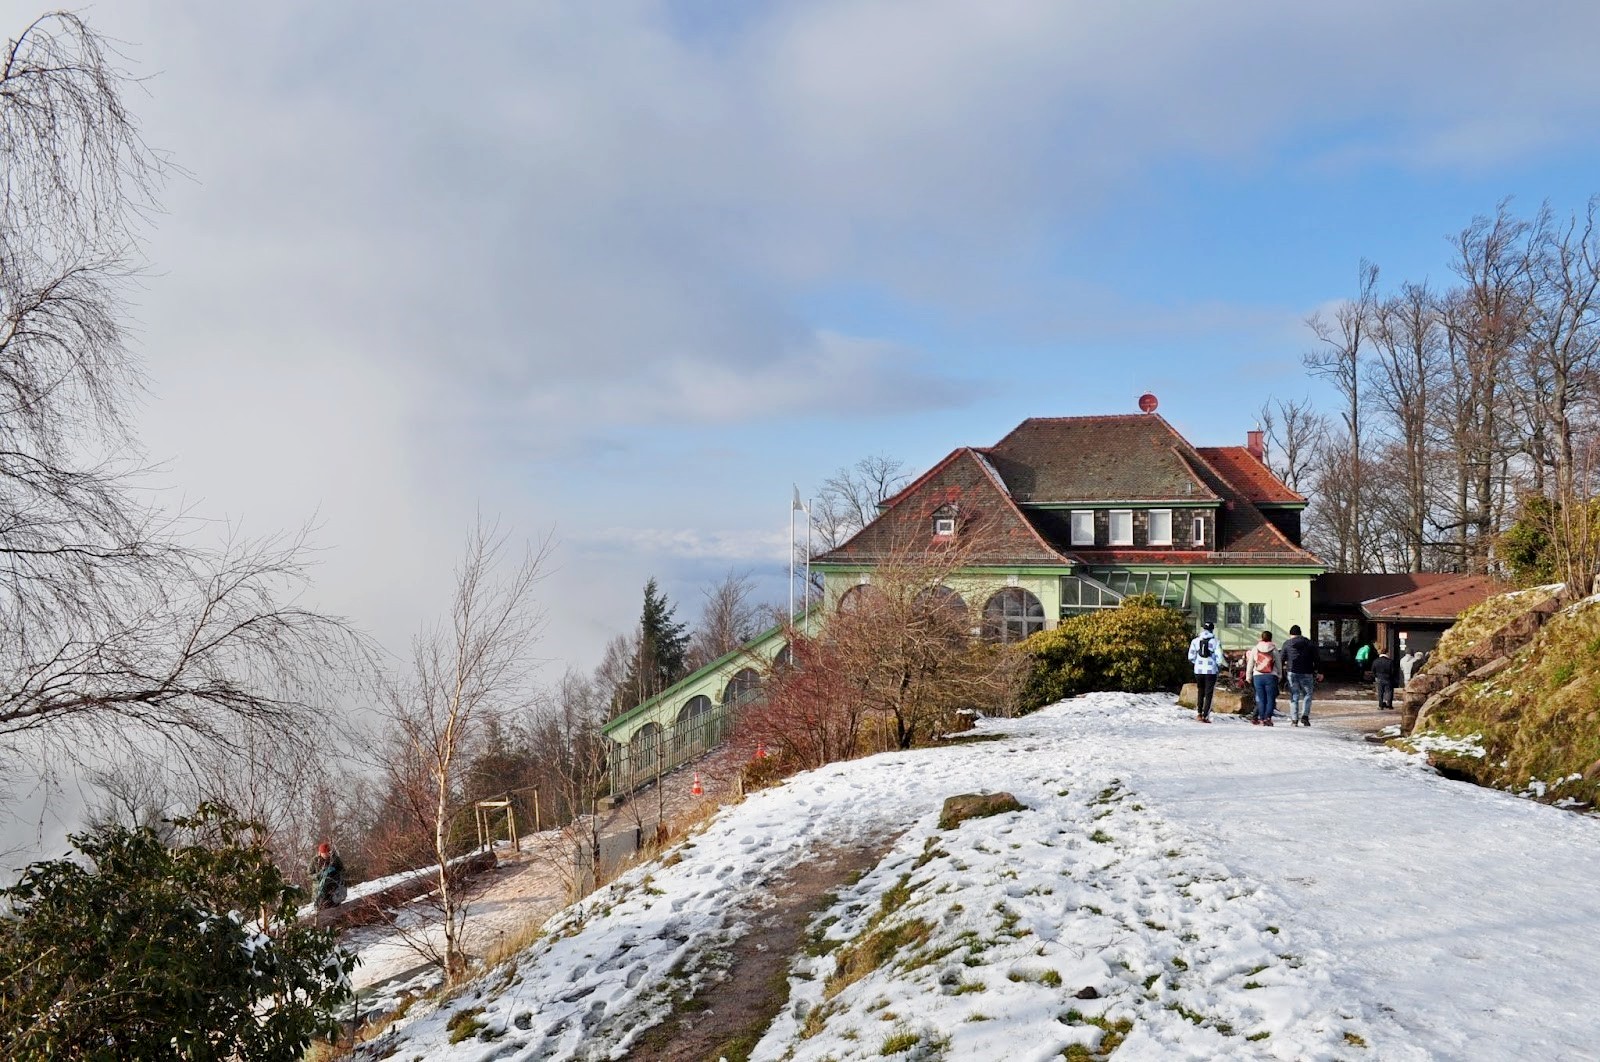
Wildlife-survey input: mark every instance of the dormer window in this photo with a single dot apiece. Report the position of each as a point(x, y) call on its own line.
point(1199, 530)
point(1161, 527)
point(944, 522)
point(1083, 527)
point(1122, 527)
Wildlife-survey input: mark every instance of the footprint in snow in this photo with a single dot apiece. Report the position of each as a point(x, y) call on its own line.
point(635, 975)
point(592, 1016)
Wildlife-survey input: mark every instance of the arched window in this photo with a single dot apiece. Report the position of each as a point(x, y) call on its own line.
point(940, 597)
point(946, 612)
point(857, 597)
point(689, 729)
point(783, 658)
point(1012, 615)
point(743, 687)
point(644, 751)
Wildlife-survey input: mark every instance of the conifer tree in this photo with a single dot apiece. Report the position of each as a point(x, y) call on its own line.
point(663, 647)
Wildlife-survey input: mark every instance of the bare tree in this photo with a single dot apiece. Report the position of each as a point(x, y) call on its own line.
point(1344, 336)
point(611, 675)
point(899, 653)
point(113, 625)
point(727, 621)
point(1293, 430)
point(1408, 342)
point(1485, 325)
point(1563, 333)
point(567, 734)
point(849, 499)
point(477, 661)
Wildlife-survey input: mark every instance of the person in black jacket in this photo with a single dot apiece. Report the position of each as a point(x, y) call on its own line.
point(1300, 665)
point(327, 877)
point(1383, 672)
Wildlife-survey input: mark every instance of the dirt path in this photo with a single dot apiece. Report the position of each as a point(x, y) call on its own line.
point(727, 1018)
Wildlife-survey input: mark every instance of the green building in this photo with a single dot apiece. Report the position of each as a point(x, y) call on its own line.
point(1063, 515)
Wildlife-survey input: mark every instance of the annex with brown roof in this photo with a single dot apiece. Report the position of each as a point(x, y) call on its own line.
point(1440, 600)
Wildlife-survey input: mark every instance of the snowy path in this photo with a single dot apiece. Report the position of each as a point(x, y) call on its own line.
point(1469, 916)
point(1186, 892)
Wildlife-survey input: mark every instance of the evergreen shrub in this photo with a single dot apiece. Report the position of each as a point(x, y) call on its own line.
point(137, 948)
point(1137, 647)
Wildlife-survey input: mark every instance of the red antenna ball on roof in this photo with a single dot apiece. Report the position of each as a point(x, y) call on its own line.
point(1148, 403)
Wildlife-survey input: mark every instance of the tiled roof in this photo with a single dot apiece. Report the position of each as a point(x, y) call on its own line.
point(1350, 589)
point(986, 513)
point(1053, 460)
point(1249, 475)
point(1440, 600)
point(1244, 536)
point(1092, 460)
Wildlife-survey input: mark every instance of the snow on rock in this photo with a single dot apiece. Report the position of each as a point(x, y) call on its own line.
point(1183, 891)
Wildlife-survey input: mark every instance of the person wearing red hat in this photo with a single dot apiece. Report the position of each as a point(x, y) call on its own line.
point(327, 876)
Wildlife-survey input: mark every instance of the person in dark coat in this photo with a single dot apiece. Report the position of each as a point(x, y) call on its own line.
point(1383, 675)
point(327, 877)
point(1300, 667)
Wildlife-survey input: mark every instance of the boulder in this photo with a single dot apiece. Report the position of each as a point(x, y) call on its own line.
point(1489, 670)
point(959, 809)
point(1240, 701)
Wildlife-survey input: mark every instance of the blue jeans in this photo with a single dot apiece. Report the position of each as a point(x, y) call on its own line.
point(1300, 687)
point(1266, 695)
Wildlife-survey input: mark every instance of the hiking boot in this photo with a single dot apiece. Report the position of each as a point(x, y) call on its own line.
point(1306, 721)
point(1294, 722)
point(1255, 722)
point(1266, 722)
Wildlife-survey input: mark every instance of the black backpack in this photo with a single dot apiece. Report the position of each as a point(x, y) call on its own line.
point(1205, 647)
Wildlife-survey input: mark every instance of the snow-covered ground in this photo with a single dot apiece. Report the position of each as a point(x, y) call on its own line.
point(1196, 892)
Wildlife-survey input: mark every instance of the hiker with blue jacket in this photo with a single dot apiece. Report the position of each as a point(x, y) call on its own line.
point(1205, 654)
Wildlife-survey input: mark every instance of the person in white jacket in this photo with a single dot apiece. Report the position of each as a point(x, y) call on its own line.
point(1263, 667)
point(1205, 654)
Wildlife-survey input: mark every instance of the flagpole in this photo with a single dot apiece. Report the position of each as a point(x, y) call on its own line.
point(791, 562)
point(808, 555)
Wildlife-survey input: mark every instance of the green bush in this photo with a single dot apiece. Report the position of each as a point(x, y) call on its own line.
point(1138, 647)
point(138, 949)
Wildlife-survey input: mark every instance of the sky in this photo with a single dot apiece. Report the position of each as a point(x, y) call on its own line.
point(623, 272)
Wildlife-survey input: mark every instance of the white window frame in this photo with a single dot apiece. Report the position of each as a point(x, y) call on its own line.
point(1111, 531)
point(944, 526)
point(1077, 539)
point(1165, 540)
point(1199, 529)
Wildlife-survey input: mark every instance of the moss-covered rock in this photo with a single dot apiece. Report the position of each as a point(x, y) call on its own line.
point(1477, 623)
point(1536, 716)
point(959, 809)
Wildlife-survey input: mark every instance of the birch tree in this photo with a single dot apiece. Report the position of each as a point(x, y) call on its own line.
point(477, 661)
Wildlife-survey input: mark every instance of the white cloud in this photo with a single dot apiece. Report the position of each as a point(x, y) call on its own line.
point(432, 260)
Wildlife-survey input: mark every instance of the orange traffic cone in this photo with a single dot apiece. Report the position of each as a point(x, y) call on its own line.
point(695, 789)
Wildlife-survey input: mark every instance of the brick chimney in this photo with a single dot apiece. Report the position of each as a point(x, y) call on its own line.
point(1255, 442)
